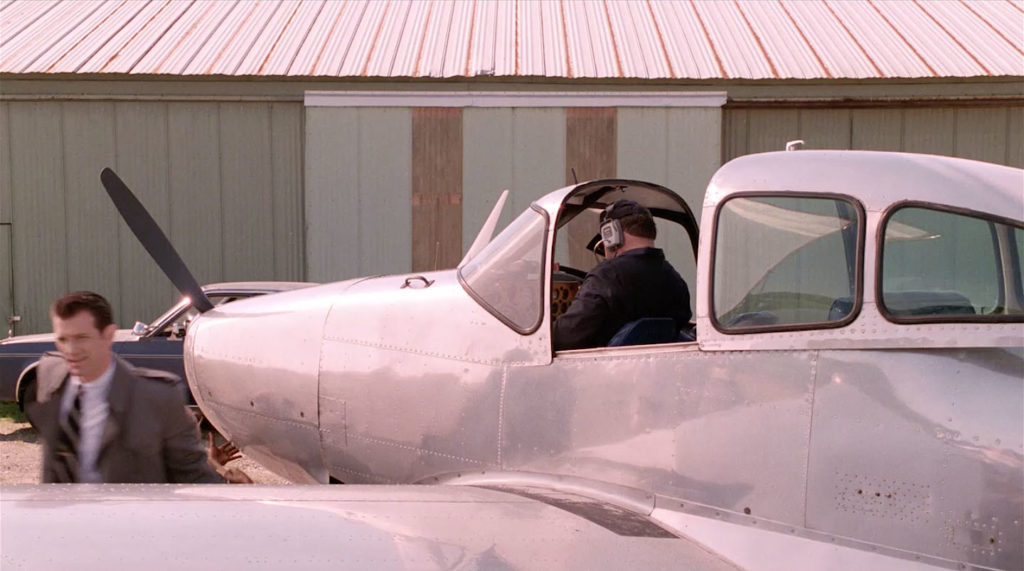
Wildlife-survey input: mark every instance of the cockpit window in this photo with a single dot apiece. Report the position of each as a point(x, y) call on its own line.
point(506, 277)
point(940, 265)
point(785, 263)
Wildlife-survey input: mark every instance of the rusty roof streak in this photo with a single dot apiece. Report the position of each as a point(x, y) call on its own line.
point(952, 37)
point(423, 40)
point(277, 40)
point(330, 32)
point(1019, 8)
point(615, 44)
point(993, 28)
point(153, 44)
point(565, 36)
point(26, 25)
point(52, 39)
point(199, 50)
point(394, 55)
point(263, 29)
point(515, 20)
point(860, 46)
point(757, 39)
point(902, 37)
point(352, 37)
point(803, 36)
point(232, 36)
point(661, 40)
point(472, 36)
point(376, 38)
point(711, 43)
point(68, 52)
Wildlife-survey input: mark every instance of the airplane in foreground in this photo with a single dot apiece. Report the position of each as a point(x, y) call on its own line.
point(851, 394)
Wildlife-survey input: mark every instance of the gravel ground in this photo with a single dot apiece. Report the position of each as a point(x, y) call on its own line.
point(20, 453)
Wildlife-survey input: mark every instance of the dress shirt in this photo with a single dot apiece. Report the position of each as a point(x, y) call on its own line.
point(95, 411)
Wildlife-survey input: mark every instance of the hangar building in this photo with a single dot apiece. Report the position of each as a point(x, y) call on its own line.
point(321, 140)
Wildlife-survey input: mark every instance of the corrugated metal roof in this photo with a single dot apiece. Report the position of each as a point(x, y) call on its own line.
point(634, 39)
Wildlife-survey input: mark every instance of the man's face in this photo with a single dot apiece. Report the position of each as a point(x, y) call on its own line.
point(86, 349)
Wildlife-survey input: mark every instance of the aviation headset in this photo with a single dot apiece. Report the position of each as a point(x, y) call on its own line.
point(611, 228)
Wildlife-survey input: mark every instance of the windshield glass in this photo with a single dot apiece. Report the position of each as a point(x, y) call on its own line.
point(506, 277)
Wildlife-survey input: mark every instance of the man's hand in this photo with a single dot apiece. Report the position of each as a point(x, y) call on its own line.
point(221, 455)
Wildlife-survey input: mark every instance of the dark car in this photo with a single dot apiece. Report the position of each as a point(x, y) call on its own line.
point(156, 345)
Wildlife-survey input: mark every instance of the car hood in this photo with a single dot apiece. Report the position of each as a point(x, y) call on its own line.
point(119, 335)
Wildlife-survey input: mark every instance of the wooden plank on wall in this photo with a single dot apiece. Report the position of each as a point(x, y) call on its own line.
point(876, 129)
point(142, 162)
point(195, 188)
point(591, 139)
point(287, 188)
point(929, 130)
point(982, 133)
point(436, 187)
point(39, 243)
point(247, 199)
point(92, 236)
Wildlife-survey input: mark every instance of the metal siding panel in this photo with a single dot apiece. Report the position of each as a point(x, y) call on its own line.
point(538, 155)
point(246, 195)
point(929, 131)
point(6, 280)
point(195, 189)
point(487, 139)
point(93, 260)
point(876, 129)
point(332, 193)
point(737, 125)
point(40, 242)
point(6, 196)
point(286, 157)
point(142, 162)
point(825, 128)
point(981, 133)
point(770, 129)
point(1015, 138)
point(385, 191)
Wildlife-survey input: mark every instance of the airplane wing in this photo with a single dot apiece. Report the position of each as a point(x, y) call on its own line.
point(359, 527)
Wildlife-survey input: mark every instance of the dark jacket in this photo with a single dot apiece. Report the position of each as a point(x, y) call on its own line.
point(149, 436)
point(635, 284)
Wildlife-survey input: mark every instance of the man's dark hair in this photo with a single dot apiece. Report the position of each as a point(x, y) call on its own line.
point(78, 301)
point(633, 217)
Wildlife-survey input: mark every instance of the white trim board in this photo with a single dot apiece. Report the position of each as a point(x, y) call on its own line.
point(514, 99)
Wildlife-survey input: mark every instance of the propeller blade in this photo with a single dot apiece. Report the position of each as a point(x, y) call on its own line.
point(153, 239)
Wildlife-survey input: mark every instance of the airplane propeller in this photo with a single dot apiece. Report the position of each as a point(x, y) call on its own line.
point(153, 239)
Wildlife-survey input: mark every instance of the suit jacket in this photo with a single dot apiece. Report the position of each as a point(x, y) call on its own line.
point(149, 436)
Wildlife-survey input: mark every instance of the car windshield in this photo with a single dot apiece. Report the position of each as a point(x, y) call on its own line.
point(506, 277)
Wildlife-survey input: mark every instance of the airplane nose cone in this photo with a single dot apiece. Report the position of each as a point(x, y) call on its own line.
point(252, 366)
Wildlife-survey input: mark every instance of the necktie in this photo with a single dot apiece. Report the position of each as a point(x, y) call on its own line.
point(66, 464)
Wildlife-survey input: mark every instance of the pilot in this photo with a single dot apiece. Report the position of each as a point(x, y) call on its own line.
point(102, 420)
point(634, 281)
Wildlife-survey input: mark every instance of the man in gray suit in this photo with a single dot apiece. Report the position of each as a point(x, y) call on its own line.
point(103, 420)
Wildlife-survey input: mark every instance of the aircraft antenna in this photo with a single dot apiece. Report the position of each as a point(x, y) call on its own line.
point(574, 179)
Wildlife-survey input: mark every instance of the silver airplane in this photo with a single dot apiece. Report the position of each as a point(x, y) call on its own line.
point(851, 395)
